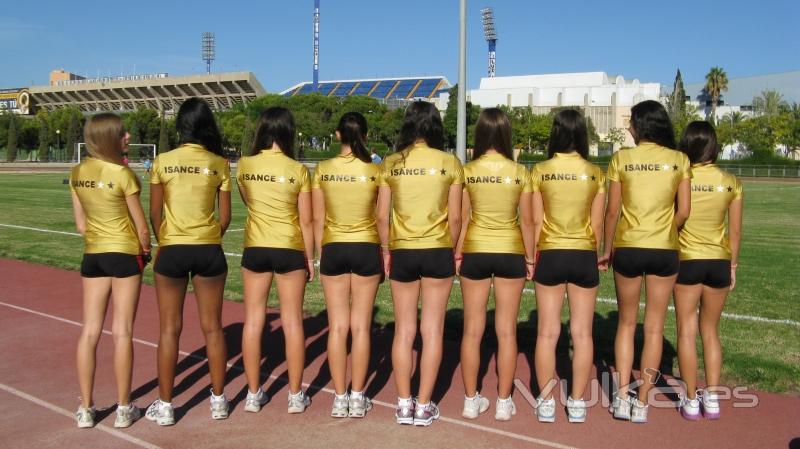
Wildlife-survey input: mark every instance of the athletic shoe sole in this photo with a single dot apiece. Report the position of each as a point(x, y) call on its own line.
point(339, 414)
point(85, 425)
point(577, 420)
point(689, 416)
point(711, 416)
point(423, 422)
point(219, 415)
point(547, 419)
point(405, 421)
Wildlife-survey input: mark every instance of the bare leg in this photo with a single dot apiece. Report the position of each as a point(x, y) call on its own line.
point(435, 294)
point(95, 304)
point(549, 301)
point(363, 291)
point(581, 314)
point(125, 303)
point(710, 310)
point(256, 292)
point(208, 291)
point(337, 298)
point(507, 294)
point(291, 288)
point(171, 293)
point(476, 296)
point(687, 297)
point(405, 297)
point(659, 290)
point(628, 291)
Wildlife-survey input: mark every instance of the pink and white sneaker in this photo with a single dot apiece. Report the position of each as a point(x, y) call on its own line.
point(710, 404)
point(690, 408)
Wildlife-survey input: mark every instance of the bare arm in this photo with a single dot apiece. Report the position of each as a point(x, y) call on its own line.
point(598, 211)
point(528, 233)
point(684, 203)
point(384, 207)
point(454, 211)
point(137, 213)
point(80, 216)
point(610, 223)
point(466, 210)
point(156, 208)
point(305, 213)
point(224, 206)
point(735, 212)
point(318, 202)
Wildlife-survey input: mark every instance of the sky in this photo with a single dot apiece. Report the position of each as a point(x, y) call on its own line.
point(645, 39)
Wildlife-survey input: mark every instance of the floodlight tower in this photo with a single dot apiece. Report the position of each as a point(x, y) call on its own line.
point(490, 34)
point(316, 44)
point(208, 49)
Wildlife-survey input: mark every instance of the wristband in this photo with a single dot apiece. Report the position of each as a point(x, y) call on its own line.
point(146, 257)
point(530, 262)
point(734, 265)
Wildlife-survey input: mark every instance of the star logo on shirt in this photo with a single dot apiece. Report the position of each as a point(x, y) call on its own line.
point(100, 185)
point(291, 180)
point(206, 171)
point(518, 181)
point(362, 178)
point(444, 172)
point(584, 177)
point(730, 189)
point(507, 180)
point(666, 167)
point(110, 185)
point(282, 179)
point(215, 173)
point(432, 171)
point(594, 178)
point(720, 189)
point(675, 167)
point(372, 178)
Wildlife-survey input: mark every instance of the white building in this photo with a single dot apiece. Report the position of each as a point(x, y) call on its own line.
point(607, 100)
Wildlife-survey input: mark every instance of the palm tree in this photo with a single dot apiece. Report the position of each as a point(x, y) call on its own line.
point(716, 83)
point(770, 103)
point(734, 118)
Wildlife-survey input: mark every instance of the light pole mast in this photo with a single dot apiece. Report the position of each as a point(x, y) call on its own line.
point(316, 45)
point(461, 130)
point(490, 34)
point(208, 50)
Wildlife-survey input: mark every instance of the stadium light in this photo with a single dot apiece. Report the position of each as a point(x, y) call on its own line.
point(490, 34)
point(209, 52)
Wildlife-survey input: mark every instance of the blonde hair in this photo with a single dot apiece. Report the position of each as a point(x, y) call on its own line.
point(103, 134)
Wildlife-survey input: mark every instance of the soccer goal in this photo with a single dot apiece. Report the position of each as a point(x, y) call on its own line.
point(137, 152)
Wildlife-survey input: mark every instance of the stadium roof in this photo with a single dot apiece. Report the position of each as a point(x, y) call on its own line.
point(381, 88)
point(159, 92)
point(741, 91)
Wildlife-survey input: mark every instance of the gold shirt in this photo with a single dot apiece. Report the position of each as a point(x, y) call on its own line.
point(191, 177)
point(102, 188)
point(272, 182)
point(568, 184)
point(420, 186)
point(494, 184)
point(650, 175)
point(350, 188)
point(704, 235)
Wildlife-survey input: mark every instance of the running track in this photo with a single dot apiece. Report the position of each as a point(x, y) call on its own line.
point(40, 313)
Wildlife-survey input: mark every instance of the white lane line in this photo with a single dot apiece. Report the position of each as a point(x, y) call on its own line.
point(68, 414)
point(458, 422)
point(727, 315)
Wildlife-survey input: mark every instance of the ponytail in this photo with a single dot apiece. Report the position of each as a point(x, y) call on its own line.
point(352, 130)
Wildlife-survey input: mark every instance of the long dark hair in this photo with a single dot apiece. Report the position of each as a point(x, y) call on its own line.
point(493, 131)
point(699, 142)
point(651, 122)
point(568, 134)
point(352, 131)
point(196, 124)
point(422, 121)
point(275, 126)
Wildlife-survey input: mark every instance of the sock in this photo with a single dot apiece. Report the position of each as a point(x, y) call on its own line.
point(166, 404)
point(504, 399)
point(125, 406)
point(217, 398)
point(254, 394)
point(296, 395)
point(340, 396)
point(404, 401)
point(421, 405)
point(471, 398)
point(356, 394)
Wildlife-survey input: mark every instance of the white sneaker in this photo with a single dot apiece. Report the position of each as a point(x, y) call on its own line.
point(504, 409)
point(690, 408)
point(576, 410)
point(85, 417)
point(255, 401)
point(341, 406)
point(546, 410)
point(161, 412)
point(638, 411)
point(710, 404)
point(621, 407)
point(298, 402)
point(219, 406)
point(359, 405)
point(126, 415)
point(474, 406)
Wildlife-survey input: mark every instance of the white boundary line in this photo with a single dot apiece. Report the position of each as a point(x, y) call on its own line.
point(727, 315)
point(459, 422)
point(68, 414)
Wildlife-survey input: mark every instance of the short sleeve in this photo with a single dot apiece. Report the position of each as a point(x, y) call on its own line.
point(527, 180)
point(130, 183)
point(383, 177)
point(305, 180)
point(155, 171)
point(71, 177)
point(613, 168)
point(225, 182)
point(458, 172)
point(535, 179)
point(686, 167)
point(601, 181)
point(315, 177)
point(738, 190)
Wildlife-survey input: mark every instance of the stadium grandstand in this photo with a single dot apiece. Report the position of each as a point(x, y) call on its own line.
point(427, 88)
point(154, 91)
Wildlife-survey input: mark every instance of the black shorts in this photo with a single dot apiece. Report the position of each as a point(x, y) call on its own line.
point(116, 265)
point(635, 262)
point(362, 259)
point(485, 265)
point(410, 265)
point(277, 260)
point(180, 261)
point(715, 273)
point(567, 266)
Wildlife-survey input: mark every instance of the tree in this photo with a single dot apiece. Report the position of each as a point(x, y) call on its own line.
point(716, 83)
point(72, 137)
point(679, 123)
point(676, 102)
point(616, 136)
point(770, 103)
point(44, 136)
point(11, 144)
point(451, 118)
point(163, 137)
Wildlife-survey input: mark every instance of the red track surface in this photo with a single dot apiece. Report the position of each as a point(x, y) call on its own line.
point(40, 311)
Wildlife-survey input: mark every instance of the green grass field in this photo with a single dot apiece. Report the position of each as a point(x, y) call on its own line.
point(761, 355)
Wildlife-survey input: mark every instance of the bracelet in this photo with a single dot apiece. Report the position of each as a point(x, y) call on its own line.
point(458, 258)
point(527, 262)
point(734, 265)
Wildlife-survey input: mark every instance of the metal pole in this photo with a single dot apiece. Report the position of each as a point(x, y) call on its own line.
point(461, 140)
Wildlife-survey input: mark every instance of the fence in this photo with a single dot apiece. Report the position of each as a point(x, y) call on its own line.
point(744, 171)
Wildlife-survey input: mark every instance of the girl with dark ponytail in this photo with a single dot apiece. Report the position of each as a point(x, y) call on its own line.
point(344, 195)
